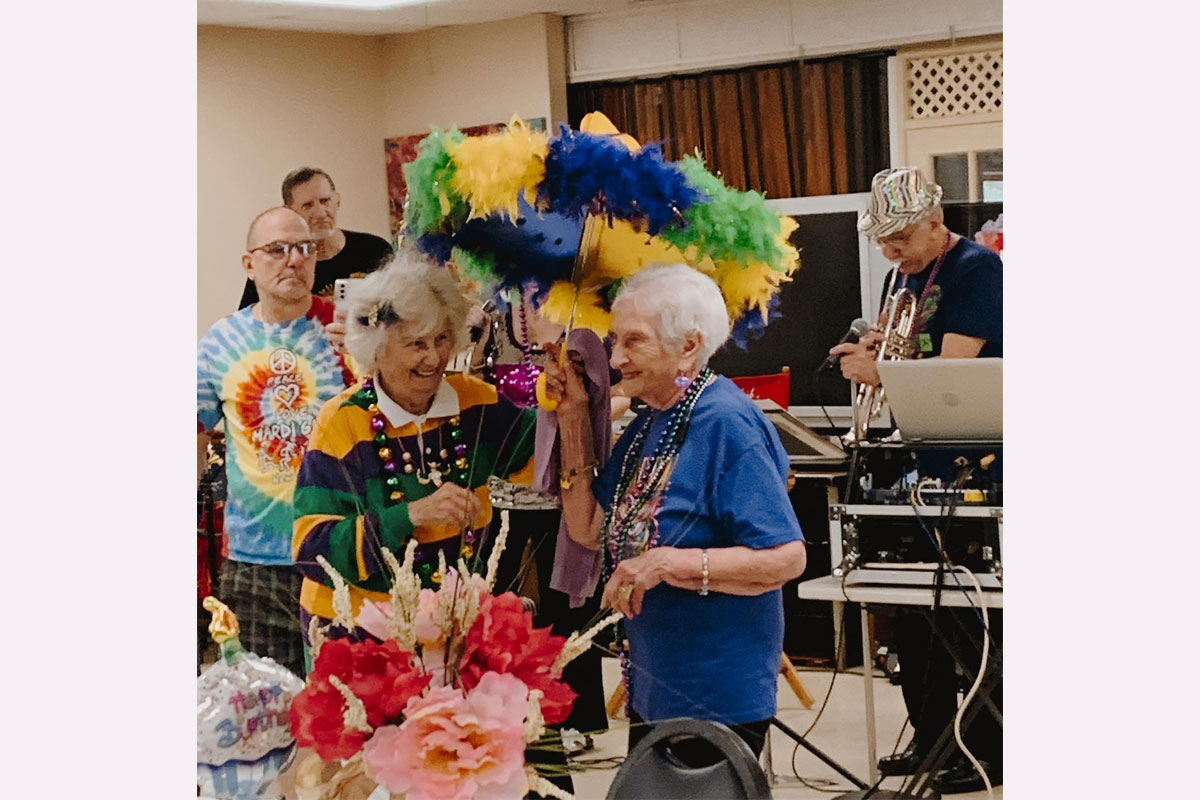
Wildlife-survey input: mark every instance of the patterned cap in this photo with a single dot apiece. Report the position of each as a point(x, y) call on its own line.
point(899, 197)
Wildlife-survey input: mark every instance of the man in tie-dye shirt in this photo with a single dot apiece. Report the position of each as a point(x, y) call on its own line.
point(266, 370)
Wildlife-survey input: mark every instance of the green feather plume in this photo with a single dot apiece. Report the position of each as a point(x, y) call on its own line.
point(731, 225)
point(431, 199)
point(477, 266)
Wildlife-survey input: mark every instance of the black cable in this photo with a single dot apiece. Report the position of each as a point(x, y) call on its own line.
point(938, 577)
point(821, 403)
point(838, 647)
point(942, 554)
point(946, 514)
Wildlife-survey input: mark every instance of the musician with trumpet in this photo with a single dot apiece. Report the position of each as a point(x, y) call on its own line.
point(954, 282)
point(943, 299)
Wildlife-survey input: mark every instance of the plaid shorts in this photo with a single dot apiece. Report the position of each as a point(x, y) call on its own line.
point(266, 600)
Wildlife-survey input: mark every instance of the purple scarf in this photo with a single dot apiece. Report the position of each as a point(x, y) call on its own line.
point(576, 568)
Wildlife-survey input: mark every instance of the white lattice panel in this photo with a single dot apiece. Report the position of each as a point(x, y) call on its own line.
point(955, 84)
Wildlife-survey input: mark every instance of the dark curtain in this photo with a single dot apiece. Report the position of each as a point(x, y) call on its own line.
point(789, 130)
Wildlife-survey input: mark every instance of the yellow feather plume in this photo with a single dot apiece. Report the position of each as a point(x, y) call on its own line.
point(491, 170)
point(557, 308)
point(747, 286)
point(791, 256)
point(597, 122)
point(624, 251)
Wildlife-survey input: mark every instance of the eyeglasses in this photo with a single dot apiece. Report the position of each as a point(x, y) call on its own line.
point(898, 239)
point(282, 250)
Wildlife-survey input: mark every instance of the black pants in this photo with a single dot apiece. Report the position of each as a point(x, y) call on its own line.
point(540, 530)
point(930, 683)
point(698, 752)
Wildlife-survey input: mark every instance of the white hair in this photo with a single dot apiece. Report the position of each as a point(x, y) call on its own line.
point(681, 300)
point(420, 293)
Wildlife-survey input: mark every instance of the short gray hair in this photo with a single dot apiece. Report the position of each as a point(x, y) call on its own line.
point(419, 293)
point(681, 300)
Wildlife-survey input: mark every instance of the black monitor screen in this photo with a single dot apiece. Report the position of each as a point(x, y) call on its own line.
point(817, 307)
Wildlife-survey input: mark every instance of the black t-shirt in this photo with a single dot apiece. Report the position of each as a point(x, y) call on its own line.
point(363, 253)
point(966, 298)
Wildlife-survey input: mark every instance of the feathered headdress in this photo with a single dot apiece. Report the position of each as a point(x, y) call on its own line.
point(577, 214)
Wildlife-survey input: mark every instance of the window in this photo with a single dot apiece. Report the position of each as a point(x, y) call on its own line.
point(950, 172)
point(989, 166)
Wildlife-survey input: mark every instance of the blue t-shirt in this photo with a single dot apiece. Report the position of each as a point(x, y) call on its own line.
point(966, 298)
point(714, 657)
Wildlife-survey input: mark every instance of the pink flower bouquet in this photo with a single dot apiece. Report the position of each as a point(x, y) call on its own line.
point(443, 705)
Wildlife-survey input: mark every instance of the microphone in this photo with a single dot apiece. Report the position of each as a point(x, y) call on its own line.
point(488, 308)
point(857, 329)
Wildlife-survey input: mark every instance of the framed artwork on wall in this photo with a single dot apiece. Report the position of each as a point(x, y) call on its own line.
point(399, 150)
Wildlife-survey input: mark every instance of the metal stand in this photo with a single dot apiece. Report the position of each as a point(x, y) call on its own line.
point(836, 767)
point(945, 745)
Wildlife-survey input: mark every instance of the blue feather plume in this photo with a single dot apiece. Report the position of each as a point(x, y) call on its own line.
point(750, 327)
point(640, 187)
point(436, 246)
point(533, 247)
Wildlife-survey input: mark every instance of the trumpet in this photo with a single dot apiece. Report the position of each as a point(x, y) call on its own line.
point(900, 318)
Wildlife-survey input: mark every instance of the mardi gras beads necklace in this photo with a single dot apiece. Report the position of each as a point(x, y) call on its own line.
point(433, 471)
point(642, 477)
point(429, 472)
point(517, 384)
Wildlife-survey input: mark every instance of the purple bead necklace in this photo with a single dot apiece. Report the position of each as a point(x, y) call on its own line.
point(518, 384)
point(430, 471)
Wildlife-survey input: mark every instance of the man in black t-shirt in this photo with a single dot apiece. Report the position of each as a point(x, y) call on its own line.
point(340, 254)
point(960, 315)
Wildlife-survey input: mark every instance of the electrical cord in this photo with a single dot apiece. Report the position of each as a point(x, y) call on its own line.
point(821, 403)
point(945, 514)
point(837, 649)
point(938, 541)
point(934, 539)
point(975, 686)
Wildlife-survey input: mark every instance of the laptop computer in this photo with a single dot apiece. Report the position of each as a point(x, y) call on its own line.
point(946, 398)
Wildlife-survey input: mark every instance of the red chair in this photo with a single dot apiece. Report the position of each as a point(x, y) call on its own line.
point(776, 387)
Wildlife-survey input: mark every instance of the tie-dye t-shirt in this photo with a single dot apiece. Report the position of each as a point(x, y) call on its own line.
point(267, 381)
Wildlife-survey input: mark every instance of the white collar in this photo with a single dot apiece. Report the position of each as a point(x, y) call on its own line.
point(445, 404)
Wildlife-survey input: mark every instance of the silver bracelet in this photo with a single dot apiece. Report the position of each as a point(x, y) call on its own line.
point(704, 572)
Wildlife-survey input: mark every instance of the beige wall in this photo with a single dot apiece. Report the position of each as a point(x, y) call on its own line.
point(475, 74)
point(268, 102)
point(917, 141)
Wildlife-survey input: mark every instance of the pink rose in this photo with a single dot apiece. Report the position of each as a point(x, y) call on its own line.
point(374, 618)
point(451, 747)
point(428, 625)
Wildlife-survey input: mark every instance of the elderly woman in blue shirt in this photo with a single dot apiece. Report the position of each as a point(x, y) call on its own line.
point(691, 510)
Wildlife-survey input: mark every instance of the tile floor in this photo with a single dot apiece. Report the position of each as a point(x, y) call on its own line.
point(840, 734)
